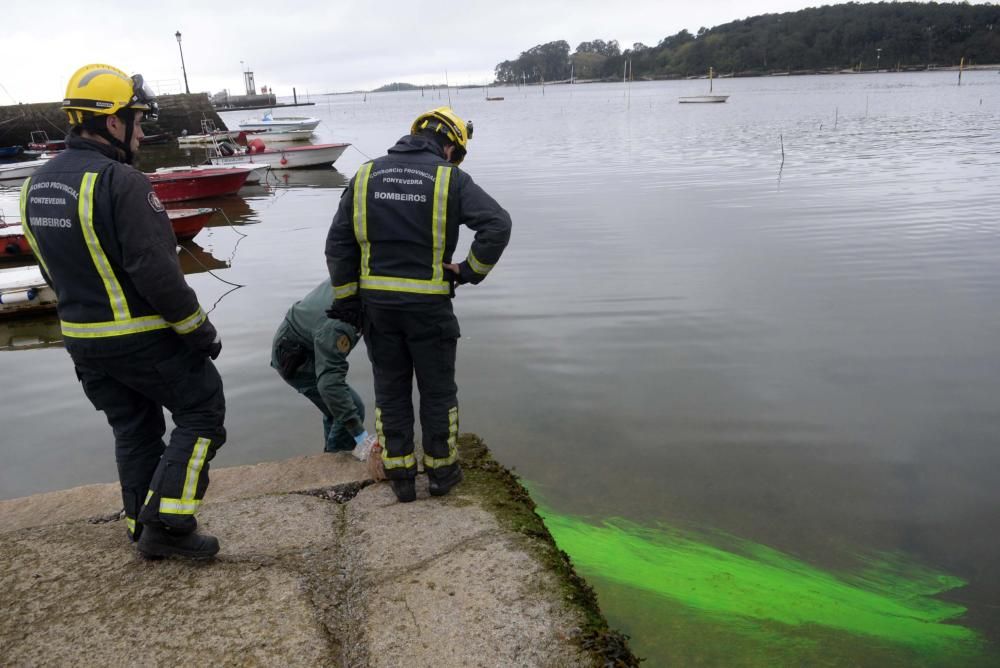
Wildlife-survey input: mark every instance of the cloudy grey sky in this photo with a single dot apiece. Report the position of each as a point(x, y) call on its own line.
point(322, 45)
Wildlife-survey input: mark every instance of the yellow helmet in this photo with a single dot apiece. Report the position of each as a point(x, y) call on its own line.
point(106, 90)
point(446, 121)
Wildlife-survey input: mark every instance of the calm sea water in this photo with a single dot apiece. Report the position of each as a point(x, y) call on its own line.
point(767, 325)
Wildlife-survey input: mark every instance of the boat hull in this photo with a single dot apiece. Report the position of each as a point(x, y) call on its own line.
point(703, 99)
point(258, 172)
point(197, 184)
point(23, 290)
point(294, 157)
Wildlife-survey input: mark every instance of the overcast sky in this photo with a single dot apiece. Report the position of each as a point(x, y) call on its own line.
point(322, 46)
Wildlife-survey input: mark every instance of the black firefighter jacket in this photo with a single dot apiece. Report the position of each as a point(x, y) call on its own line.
point(107, 248)
point(398, 222)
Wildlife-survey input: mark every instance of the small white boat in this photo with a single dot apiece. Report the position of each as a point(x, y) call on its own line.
point(289, 157)
point(270, 123)
point(704, 99)
point(15, 173)
point(258, 171)
point(23, 289)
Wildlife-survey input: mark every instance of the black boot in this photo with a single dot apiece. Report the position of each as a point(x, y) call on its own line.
point(155, 542)
point(439, 486)
point(405, 489)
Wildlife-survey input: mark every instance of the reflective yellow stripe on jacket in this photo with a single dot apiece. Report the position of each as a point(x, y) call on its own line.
point(116, 296)
point(479, 267)
point(123, 322)
point(436, 285)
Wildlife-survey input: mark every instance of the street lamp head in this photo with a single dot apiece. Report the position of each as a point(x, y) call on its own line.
point(178, 36)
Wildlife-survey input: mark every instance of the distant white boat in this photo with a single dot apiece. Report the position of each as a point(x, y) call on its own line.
point(270, 123)
point(703, 99)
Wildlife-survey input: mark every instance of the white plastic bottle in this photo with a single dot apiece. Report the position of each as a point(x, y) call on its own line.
point(363, 449)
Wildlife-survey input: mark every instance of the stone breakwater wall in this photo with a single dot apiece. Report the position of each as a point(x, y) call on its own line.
point(177, 113)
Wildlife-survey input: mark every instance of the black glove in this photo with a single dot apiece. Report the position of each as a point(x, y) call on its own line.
point(346, 310)
point(216, 348)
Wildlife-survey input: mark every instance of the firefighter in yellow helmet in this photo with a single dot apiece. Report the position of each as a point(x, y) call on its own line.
point(137, 336)
point(390, 249)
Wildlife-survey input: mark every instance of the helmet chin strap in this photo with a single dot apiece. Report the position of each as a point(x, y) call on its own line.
point(124, 146)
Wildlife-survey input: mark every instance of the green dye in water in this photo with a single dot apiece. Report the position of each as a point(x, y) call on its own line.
point(890, 600)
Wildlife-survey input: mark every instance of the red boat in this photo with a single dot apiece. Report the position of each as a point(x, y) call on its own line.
point(189, 222)
point(40, 142)
point(13, 244)
point(197, 184)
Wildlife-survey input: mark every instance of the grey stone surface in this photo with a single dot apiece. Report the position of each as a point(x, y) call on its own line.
point(300, 581)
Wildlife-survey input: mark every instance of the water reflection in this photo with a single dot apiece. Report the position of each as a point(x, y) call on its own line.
point(30, 333)
point(194, 259)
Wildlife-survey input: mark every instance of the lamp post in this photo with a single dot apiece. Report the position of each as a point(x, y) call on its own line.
point(878, 57)
point(183, 69)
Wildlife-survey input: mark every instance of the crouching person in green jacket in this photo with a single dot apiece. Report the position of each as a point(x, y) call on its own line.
point(310, 353)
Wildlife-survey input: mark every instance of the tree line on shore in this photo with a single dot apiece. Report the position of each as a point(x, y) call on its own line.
point(898, 35)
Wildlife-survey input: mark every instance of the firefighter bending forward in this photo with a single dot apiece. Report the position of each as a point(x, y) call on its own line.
point(390, 250)
point(138, 338)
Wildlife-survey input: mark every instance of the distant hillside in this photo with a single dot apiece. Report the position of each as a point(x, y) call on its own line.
point(395, 86)
point(904, 35)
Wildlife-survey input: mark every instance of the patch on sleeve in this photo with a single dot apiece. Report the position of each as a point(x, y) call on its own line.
point(344, 344)
point(154, 202)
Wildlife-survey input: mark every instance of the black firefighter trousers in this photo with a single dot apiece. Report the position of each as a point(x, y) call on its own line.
point(161, 484)
point(401, 343)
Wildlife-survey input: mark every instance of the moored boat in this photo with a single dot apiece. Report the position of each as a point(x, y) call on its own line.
point(40, 142)
point(197, 183)
point(704, 99)
point(289, 157)
point(258, 171)
point(187, 223)
point(22, 290)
